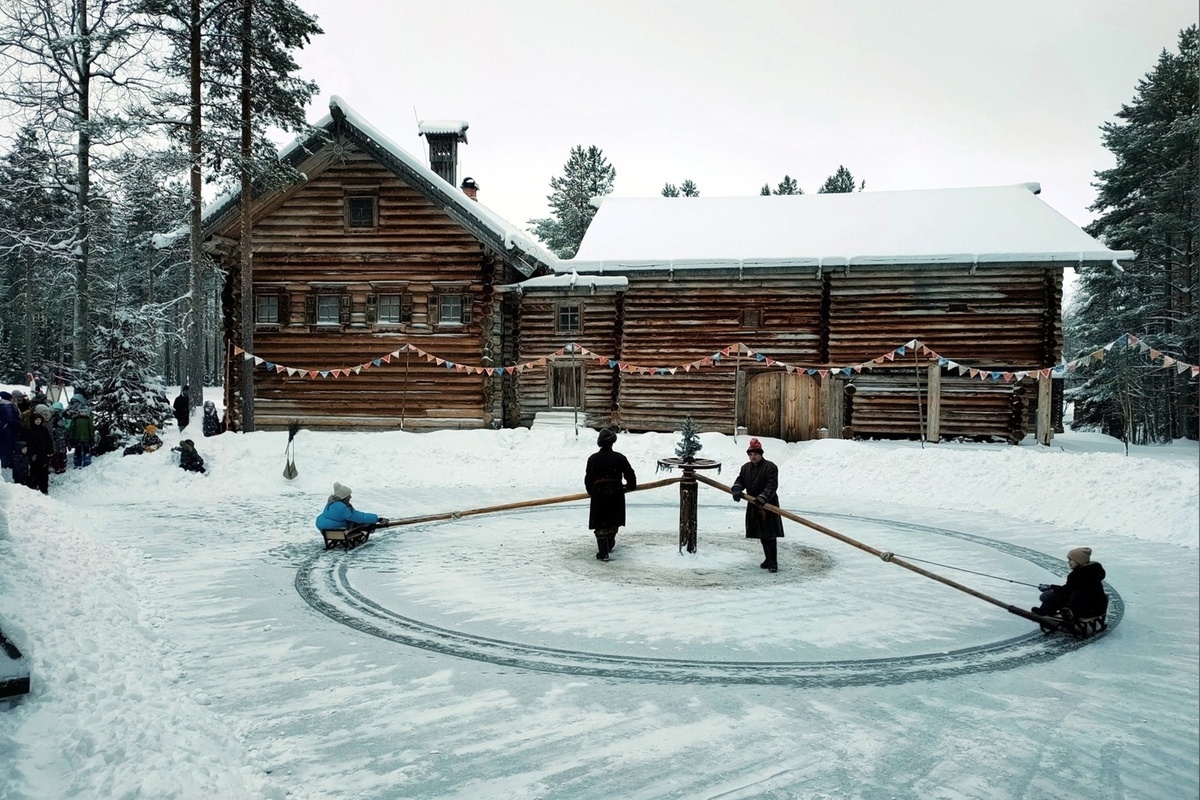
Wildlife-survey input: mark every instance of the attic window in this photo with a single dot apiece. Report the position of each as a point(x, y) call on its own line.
point(751, 317)
point(570, 317)
point(362, 212)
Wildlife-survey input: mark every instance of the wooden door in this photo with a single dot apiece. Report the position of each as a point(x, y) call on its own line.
point(783, 406)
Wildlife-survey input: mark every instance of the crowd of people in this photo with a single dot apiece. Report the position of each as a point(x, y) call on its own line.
point(39, 436)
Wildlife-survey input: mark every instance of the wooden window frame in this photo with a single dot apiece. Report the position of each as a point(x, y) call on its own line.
point(374, 304)
point(366, 193)
point(283, 309)
point(562, 309)
point(312, 308)
point(747, 318)
point(464, 316)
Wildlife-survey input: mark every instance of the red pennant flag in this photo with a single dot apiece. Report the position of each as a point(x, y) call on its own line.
point(313, 373)
point(237, 351)
point(387, 359)
point(890, 356)
point(822, 372)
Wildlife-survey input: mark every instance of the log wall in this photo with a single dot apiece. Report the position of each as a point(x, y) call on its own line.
point(302, 245)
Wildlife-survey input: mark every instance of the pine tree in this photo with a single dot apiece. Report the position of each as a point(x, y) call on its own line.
point(126, 394)
point(690, 444)
point(686, 189)
point(841, 182)
point(1150, 204)
point(587, 174)
point(786, 186)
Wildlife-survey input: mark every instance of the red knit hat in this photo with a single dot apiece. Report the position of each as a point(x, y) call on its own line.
point(755, 447)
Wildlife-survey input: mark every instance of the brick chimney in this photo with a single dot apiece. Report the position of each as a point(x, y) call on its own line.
point(443, 136)
point(470, 188)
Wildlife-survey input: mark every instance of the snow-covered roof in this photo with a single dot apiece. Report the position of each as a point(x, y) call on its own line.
point(968, 225)
point(455, 126)
point(507, 236)
point(570, 280)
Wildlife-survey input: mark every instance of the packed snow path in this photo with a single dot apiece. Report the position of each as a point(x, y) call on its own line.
point(174, 658)
point(400, 569)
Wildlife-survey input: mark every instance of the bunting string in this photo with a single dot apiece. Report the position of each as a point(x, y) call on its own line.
point(737, 350)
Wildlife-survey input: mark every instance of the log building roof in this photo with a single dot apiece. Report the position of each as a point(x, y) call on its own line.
point(997, 224)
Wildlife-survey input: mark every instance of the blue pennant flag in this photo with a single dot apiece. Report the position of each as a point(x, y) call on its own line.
point(759, 357)
point(661, 370)
point(377, 362)
point(810, 371)
point(268, 365)
point(994, 375)
point(449, 365)
point(612, 364)
point(716, 356)
point(942, 362)
point(324, 373)
point(847, 371)
point(501, 370)
point(900, 350)
point(1123, 340)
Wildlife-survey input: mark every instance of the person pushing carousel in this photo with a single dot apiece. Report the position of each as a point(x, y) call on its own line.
point(760, 478)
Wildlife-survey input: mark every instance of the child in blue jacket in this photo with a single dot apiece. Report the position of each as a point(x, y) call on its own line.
point(339, 514)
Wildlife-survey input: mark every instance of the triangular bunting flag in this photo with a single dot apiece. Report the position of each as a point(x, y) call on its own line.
point(1181, 367)
point(488, 370)
point(1154, 354)
point(280, 368)
point(822, 372)
point(1168, 361)
point(292, 371)
point(237, 351)
point(257, 361)
point(1099, 355)
point(358, 370)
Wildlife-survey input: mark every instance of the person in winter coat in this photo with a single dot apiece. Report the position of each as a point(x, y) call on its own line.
point(1083, 594)
point(760, 478)
point(339, 514)
point(211, 425)
point(59, 433)
point(19, 461)
point(41, 450)
point(78, 419)
point(10, 428)
point(150, 439)
point(606, 469)
point(189, 459)
point(183, 408)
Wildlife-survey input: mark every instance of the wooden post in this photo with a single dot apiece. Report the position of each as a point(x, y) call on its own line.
point(1045, 426)
point(687, 510)
point(933, 389)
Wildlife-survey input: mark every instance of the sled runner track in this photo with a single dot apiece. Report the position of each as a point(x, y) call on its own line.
point(324, 584)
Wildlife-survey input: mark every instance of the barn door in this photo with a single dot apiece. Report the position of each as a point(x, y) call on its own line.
point(566, 385)
point(783, 406)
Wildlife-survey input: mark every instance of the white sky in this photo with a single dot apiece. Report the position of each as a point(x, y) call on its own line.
point(920, 94)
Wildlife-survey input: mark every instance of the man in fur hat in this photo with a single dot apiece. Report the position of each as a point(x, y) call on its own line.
point(760, 478)
point(603, 481)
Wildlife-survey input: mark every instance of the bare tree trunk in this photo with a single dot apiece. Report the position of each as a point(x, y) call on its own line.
point(81, 332)
point(193, 346)
point(244, 249)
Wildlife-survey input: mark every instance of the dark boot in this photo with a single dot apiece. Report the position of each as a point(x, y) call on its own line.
point(770, 546)
point(612, 541)
point(602, 546)
point(766, 553)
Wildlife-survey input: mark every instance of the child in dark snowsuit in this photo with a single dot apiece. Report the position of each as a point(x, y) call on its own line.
point(19, 460)
point(1083, 594)
point(189, 459)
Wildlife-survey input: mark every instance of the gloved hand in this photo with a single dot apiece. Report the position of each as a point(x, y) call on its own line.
point(1044, 587)
point(737, 494)
point(761, 500)
point(382, 521)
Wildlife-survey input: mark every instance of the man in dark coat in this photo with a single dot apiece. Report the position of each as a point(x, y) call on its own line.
point(760, 478)
point(603, 481)
point(1083, 595)
point(183, 408)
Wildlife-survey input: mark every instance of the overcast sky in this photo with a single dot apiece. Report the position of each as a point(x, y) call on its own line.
point(907, 95)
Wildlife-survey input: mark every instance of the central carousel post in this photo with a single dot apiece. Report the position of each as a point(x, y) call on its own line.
point(685, 458)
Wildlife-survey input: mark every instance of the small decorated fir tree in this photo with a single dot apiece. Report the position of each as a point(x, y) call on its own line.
point(690, 444)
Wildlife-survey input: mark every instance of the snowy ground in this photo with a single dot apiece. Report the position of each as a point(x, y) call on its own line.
point(188, 638)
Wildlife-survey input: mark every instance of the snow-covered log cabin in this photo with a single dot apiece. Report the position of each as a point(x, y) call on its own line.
point(370, 251)
point(818, 294)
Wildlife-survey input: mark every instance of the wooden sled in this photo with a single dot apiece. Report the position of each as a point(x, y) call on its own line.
point(347, 538)
point(1080, 628)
